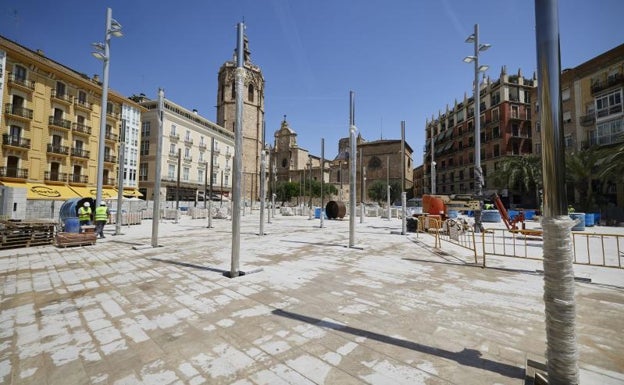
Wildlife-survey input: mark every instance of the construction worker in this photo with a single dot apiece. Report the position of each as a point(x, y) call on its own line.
point(489, 206)
point(84, 214)
point(101, 217)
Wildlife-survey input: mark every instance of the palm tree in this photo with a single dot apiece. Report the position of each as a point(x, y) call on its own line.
point(581, 170)
point(520, 173)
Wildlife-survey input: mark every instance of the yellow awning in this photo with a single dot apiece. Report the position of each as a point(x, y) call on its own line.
point(44, 191)
point(91, 192)
point(132, 193)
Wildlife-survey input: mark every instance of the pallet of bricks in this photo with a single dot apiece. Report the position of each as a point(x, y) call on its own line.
point(84, 238)
point(18, 233)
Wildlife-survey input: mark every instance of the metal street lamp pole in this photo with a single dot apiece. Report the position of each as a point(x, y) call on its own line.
point(478, 173)
point(113, 28)
point(433, 164)
point(352, 159)
point(120, 177)
point(158, 171)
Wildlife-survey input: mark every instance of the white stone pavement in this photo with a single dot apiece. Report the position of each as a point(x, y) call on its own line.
point(393, 310)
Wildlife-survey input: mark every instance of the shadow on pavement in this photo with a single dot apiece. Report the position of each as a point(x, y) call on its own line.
point(466, 357)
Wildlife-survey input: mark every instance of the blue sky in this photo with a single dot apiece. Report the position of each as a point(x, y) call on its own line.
point(402, 58)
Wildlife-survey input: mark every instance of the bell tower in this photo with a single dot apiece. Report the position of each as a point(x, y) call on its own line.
point(253, 116)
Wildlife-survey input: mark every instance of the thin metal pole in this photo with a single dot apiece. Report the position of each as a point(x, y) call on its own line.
point(310, 188)
point(403, 209)
point(478, 173)
point(102, 139)
point(157, 177)
point(205, 185)
point(262, 189)
point(243, 190)
point(361, 189)
point(353, 160)
point(212, 143)
point(120, 177)
point(268, 182)
point(433, 163)
point(322, 181)
point(177, 194)
point(402, 155)
point(559, 300)
point(388, 183)
point(238, 155)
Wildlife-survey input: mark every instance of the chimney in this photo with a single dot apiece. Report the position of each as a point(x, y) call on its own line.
point(96, 78)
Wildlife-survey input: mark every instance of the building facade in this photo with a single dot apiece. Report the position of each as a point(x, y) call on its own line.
point(187, 153)
point(253, 116)
point(50, 123)
point(592, 111)
point(506, 130)
point(378, 160)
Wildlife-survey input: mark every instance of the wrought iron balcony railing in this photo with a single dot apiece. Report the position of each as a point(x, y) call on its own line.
point(23, 112)
point(15, 141)
point(82, 128)
point(77, 178)
point(19, 81)
point(13, 172)
point(58, 149)
point(79, 152)
point(59, 122)
point(55, 176)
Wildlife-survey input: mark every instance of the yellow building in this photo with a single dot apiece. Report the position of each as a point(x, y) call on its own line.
point(50, 123)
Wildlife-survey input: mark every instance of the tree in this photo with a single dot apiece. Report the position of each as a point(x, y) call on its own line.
point(285, 191)
point(378, 191)
point(581, 171)
point(520, 173)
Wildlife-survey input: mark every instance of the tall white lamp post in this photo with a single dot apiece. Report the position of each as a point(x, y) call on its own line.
point(478, 173)
point(113, 28)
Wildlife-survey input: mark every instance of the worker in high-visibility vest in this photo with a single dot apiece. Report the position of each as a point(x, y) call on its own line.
point(84, 214)
point(101, 217)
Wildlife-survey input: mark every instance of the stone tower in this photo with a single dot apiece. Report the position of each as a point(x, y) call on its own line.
point(253, 116)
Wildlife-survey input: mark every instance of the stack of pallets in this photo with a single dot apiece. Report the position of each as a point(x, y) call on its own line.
point(15, 234)
point(75, 239)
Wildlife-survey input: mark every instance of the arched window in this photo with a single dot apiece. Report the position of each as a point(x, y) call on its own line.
point(250, 93)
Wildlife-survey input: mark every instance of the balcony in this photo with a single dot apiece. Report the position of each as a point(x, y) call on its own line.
point(110, 158)
point(13, 172)
point(18, 112)
point(202, 146)
point(23, 84)
point(79, 153)
point(83, 105)
point(110, 136)
point(15, 141)
point(77, 178)
point(188, 141)
point(109, 181)
point(112, 114)
point(58, 149)
point(55, 176)
point(80, 128)
point(173, 154)
point(228, 154)
point(587, 120)
point(174, 137)
point(188, 159)
point(59, 123)
point(612, 81)
point(63, 98)
point(216, 151)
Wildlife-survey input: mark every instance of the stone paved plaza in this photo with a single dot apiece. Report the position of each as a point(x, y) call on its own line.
point(392, 310)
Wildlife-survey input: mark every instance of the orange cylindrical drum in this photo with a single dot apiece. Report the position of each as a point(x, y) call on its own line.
point(433, 205)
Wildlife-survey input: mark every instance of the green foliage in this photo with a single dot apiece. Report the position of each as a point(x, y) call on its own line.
point(581, 168)
point(520, 173)
point(379, 193)
point(285, 191)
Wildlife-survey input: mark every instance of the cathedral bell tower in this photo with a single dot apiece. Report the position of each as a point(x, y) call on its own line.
point(253, 116)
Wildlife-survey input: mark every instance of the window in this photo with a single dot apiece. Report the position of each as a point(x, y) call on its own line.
point(227, 178)
point(171, 172)
point(201, 157)
point(20, 73)
point(538, 148)
point(173, 129)
point(250, 92)
point(233, 90)
point(495, 115)
point(15, 132)
point(609, 104)
point(607, 132)
point(214, 178)
point(143, 169)
point(496, 150)
point(514, 112)
point(82, 97)
point(185, 173)
point(145, 145)
point(60, 89)
point(187, 152)
point(145, 129)
point(569, 142)
point(565, 94)
point(172, 149)
point(567, 116)
point(187, 136)
point(200, 176)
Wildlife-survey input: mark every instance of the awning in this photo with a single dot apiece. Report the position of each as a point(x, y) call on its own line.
point(91, 192)
point(132, 193)
point(44, 191)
